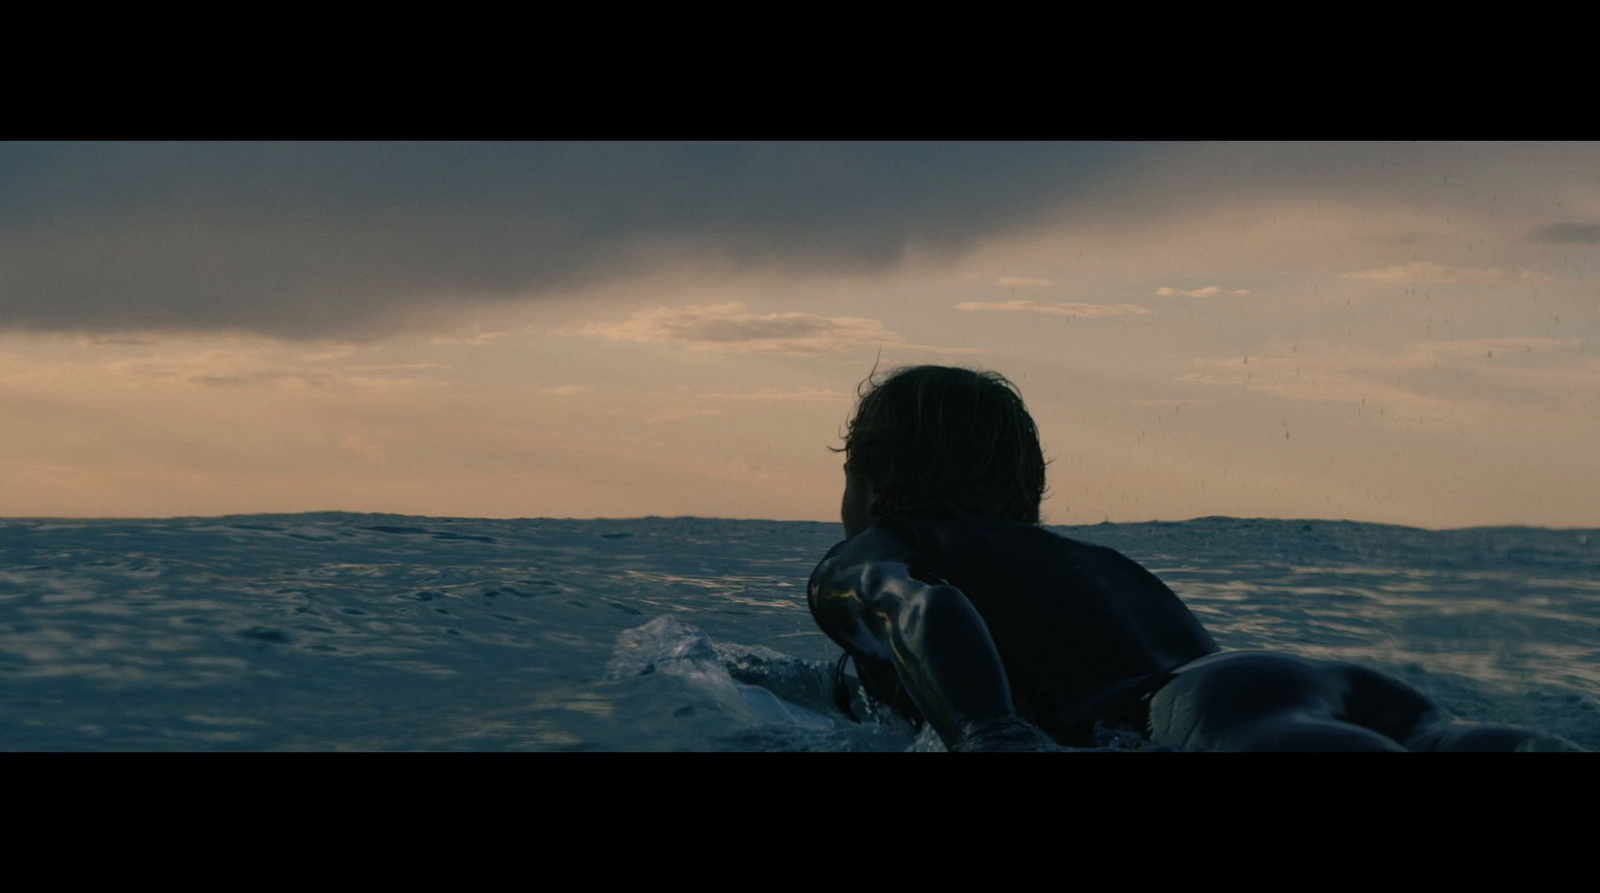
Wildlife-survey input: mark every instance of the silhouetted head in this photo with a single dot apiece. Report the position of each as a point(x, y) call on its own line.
point(941, 434)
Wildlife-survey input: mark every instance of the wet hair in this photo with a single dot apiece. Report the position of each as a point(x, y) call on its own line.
point(945, 434)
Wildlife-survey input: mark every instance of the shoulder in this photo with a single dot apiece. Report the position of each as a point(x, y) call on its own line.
point(1093, 556)
point(875, 545)
point(940, 542)
point(914, 541)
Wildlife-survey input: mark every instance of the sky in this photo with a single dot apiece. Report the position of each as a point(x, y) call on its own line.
point(1402, 333)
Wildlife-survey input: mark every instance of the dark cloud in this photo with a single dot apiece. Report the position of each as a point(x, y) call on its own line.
point(347, 240)
point(352, 240)
point(1581, 233)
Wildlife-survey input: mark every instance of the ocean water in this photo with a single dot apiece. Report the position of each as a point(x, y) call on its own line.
point(337, 631)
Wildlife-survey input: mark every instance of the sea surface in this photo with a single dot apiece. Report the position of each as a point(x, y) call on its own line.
point(335, 631)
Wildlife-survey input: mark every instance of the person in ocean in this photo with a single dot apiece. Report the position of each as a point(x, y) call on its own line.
point(959, 610)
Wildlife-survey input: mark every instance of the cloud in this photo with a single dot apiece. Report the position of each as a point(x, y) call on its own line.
point(1483, 347)
point(731, 328)
point(116, 340)
point(353, 240)
point(473, 339)
point(1088, 310)
point(254, 368)
point(1176, 401)
point(1022, 282)
point(220, 369)
point(566, 390)
point(366, 448)
point(1447, 381)
point(1401, 238)
point(681, 413)
point(1209, 291)
point(1574, 233)
point(1425, 272)
point(685, 403)
point(808, 395)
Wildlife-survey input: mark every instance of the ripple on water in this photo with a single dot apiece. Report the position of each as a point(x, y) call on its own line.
point(342, 631)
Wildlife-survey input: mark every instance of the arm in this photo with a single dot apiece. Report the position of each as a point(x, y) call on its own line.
point(866, 597)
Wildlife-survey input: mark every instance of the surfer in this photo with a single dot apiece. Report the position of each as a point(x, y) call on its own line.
point(959, 610)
